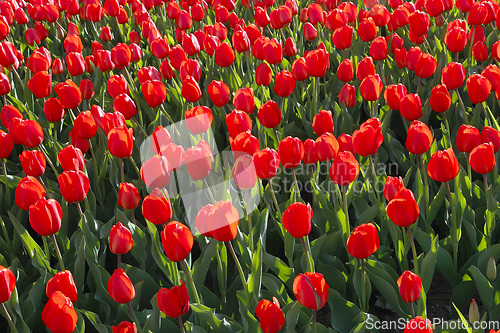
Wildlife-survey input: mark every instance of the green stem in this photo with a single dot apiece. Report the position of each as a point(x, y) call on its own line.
point(249, 220)
point(413, 249)
point(190, 281)
point(79, 209)
point(118, 261)
point(347, 229)
point(210, 194)
point(296, 185)
point(463, 107)
point(135, 166)
point(181, 324)
point(274, 199)
point(134, 317)
point(238, 265)
point(122, 169)
point(488, 233)
point(140, 127)
point(58, 253)
point(6, 181)
point(310, 267)
point(363, 287)
point(426, 185)
point(9, 319)
point(412, 310)
point(49, 161)
point(46, 248)
point(315, 98)
point(447, 128)
point(454, 240)
point(374, 178)
point(314, 322)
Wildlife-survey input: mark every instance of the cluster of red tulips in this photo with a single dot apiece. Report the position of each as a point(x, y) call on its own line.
point(89, 89)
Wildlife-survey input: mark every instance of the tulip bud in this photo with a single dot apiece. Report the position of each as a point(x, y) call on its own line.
point(410, 286)
point(491, 269)
point(63, 282)
point(177, 241)
point(124, 327)
point(7, 284)
point(270, 315)
point(297, 219)
point(120, 288)
point(173, 302)
point(59, 314)
point(120, 239)
point(128, 196)
point(311, 290)
point(363, 241)
point(474, 312)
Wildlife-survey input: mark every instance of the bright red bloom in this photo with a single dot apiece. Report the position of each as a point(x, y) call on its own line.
point(468, 138)
point(410, 286)
point(59, 314)
point(440, 100)
point(443, 166)
point(392, 187)
point(344, 169)
point(323, 122)
point(419, 138)
point(154, 92)
point(74, 185)
point(270, 315)
point(403, 209)
point(311, 290)
point(33, 162)
point(482, 158)
point(222, 221)
point(267, 162)
point(120, 288)
point(368, 138)
point(371, 87)
point(219, 93)
point(199, 160)
point(363, 241)
point(128, 196)
point(198, 119)
point(269, 114)
point(173, 302)
point(478, 88)
point(177, 241)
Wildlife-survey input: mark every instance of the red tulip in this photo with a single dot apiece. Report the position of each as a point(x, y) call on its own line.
point(300, 72)
point(8, 112)
point(368, 138)
point(489, 134)
point(243, 143)
point(284, 84)
point(28, 192)
point(69, 94)
point(39, 85)
point(468, 137)
point(121, 142)
point(128, 196)
point(243, 172)
point(63, 282)
point(290, 48)
point(323, 122)
point(345, 71)
point(393, 95)
point(59, 314)
point(199, 160)
point(363, 241)
point(371, 87)
point(244, 100)
point(443, 166)
point(317, 61)
point(393, 185)
point(124, 327)
point(85, 126)
point(410, 286)
point(367, 30)
point(269, 114)
point(478, 88)
point(403, 209)
point(219, 93)
point(263, 75)
point(120, 288)
point(117, 84)
point(342, 37)
point(154, 92)
point(326, 147)
point(419, 23)
point(191, 90)
point(344, 169)
point(440, 100)
point(198, 119)
point(45, 217)
point(74, 185)
point(379, 49)
point(411, 107)
point(238, 122)
point(6, 144)
point(455, 38)
point(419, 138)
point(418, 325)
point(7, 285)
point(222, 221)
point(177, 241)
point(156, 208)
point(291, 151)
point(173, 302)
point(453, 75)
point(224, 55)
point(345, 143)
point(426, 66)
point(482, 158)
point(267, 162)
point(270, 315)
point(155, 172)
point(311, 290)
point(120, 239)
point(297, 219)
point(33, 162)
point(347, 95)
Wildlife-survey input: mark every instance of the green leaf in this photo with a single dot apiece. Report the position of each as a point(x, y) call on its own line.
point(162, 261)
point(369, 214)
point(220, 323)
point(201, 266)
point(278, 267)
point(343, 312)
point(462, 318)
point(94, 320)
point(483, 286)
point(255, 279)
point(292, 311)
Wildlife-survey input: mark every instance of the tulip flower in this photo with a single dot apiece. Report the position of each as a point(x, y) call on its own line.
point(191, 90)
point(317, 61)
point(243, 172)
point(8, 113)
point(410, 286)
point(453, 75)
point(419, 138)
point(418, 325)
point(393, 95)
point(156, 208)
point(411, 107)
point(69, 94)
point(120, 239)
point(85, 126)
point(489, 134)
point(222, 221)
point(345, 143)
point(177, 241)
point(245, 143)
point(53, 110)
point(26, 132)
point(344, 169)
point(482, 158)
point(263, 75)
point(219, 93)
point(365, 68)
point(443, 166)
point(368, 138)
point(199, 161)
point(45, 216)
point(121, 142)
point(403, 209)
point(128, 196)
point(155, 172)
point(120, 288)
point(440, 100)
point(311, 290)
point(371, 87)
point(33, 162)
point(39, 85)
point(59, 314)
point(468, 137)
point(347, 95)
point(269, 114)
point(342, 37)
point(124, 104)
point(28, 191)
point(74, 185)
point(291, 151)
point(363, 241)
point(297, 219)
point(326, 147)
point(426, 66)
point(125, 327)
point(392, 187)
point(323, 122)
point(478, 88)
point(244, 100)
point(198, 119)
point(367, 30)
point(173, 302)
point(345, 71)
point(300, 72)
point(270, 315)
point(7, 284)
point(284, 84)
point(63, 282)
point(154, 92)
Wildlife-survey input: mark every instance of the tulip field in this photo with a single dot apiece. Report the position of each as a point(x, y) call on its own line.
point(249, 166)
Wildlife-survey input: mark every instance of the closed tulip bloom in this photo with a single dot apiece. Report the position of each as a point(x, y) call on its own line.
point(33, 162)
point(263, 75)
point(45, 217)
point(39, 85)
point(345, 71)
point(269, 114)
point(219, 93)
point(403, 209)
point(379, 49)
point(347, 95)
point(121, 142)
point(273, 52)
point(297, 219)
point(191, 90)
point(291, 151)
point(342, 37)
point(177, 241)
point(87, 89)
point(240, 40)
point(284, 84)
point(345, 143)
point(156, 208)
point(74, 185)
point(317, 61)
point(300, 72)
point(419, 23)
point(371, 87)
point(368, 138)
point(8, 113)
point(59, 314)
point(443, 166)
point(363, 241)
point(478, 88)
point(120, 239)
point(440, 100)
point(7, 284)
point(6, 144)
point(419, 138)
point(453, 75)
point(63, 282)
point(224, 55)
point(270, 315)
point(393, 185)
point(75, 63)
point(117, 84)
point(489, 134)
point(120, 288)
point(323, 122)
point(267, 162)
point(468, 138)
point(222, 221)
point(456, 39)
point(31, 133)
point(125, 327)
point(311, 290)
point(418, 325)
point(367, 30)
point(124, 104)
point(202, 219)
point(154, 92)
point(426, 66)
point(199, 160)
point(155, 172)
point(245, 143)
point(244, 100)
point(411, 107)
point(410, 286)
point(393, 95)
point(482, 158)
point(326, 147)
point(112, 120)
point(28, 191)
point(290, 48)
point(128, 196)
point(69, 94)
point(198, 119)
point(238, 122)
point(365, 68)
point(344, 169)
point(173, 302)
point(492, 73)
point(53, 110)
point(243, 172)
